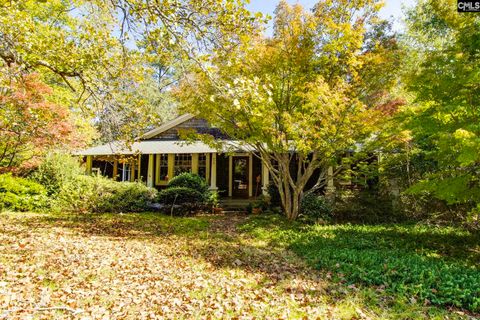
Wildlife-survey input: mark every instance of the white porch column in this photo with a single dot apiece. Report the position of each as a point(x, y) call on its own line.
point(213, 182)
point(265, 179)
point(150, 171)
point(230, 175)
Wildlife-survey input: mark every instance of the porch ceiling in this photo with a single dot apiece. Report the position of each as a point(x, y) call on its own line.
point(160, 147)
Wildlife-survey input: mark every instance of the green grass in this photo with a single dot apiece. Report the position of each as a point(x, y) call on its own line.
point(428, 264)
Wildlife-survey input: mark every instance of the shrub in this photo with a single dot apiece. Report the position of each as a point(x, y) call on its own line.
point(180, 195)
point(21, 194)
point(213, 199)
point(262, 202)
point(56, 170)
point(367, 206)
point(129, 197)
point(100, 194)
point(187, 193)
point(275, 200)
point(315, 208)
point(182, 200)
point(259, 205)
point(189, 180)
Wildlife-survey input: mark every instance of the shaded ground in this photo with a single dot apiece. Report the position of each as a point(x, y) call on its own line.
point(148, 266)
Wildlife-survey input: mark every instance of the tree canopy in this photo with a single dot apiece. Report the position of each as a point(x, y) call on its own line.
point(443, 117)
point(111, 63)
point(327, 82)
point(303, 97)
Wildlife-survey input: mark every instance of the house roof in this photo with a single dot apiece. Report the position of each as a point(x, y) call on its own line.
point(160, 147)
point(167, 126)
point(144, 146)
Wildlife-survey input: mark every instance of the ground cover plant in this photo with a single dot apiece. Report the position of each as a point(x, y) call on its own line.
point(148, 266)
point(432, 265)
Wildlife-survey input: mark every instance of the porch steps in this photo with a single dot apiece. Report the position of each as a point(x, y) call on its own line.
point(227, 212)
point(234, 205)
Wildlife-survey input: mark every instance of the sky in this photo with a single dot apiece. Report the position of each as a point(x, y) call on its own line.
point(392, 8)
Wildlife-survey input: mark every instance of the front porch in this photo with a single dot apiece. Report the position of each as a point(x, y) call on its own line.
point(239, 175)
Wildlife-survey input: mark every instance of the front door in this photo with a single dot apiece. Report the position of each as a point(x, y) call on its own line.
point(240, 177)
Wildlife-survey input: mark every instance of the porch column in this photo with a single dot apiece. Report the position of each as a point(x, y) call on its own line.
point(150, 171)
point(195, 163)
point(250, 175)
point(230, 175)
point(330, 184)
point(139, 168)
point(213, 182)
point(171, 166)
point(265, 179)
point(115, 169)
point(89, 165)
point(207, 174)
point(132, 170)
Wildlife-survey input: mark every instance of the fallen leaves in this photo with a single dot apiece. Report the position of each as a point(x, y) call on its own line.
point(57, 269)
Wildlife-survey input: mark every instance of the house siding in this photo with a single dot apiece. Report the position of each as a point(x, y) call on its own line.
point(198, 125)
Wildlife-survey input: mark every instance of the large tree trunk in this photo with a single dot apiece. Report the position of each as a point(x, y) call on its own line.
point(290, 190)
point(291, 199)
point(291, 187)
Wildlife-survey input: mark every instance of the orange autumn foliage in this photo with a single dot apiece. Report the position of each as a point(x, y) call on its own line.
point(30, 124)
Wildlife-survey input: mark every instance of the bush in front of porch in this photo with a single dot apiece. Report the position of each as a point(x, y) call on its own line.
point(187, 194)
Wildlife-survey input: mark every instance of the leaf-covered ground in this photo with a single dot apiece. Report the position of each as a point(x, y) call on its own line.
point(146, 266)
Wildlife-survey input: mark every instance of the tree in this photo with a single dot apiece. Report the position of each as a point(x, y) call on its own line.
point(97, 55)
point(302, 98)
point(443, 121)
point(30, 125)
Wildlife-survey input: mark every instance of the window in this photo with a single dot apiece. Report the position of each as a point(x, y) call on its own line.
point(202, 165)
point(163, 167)
point(183, 163)
point(126, 172)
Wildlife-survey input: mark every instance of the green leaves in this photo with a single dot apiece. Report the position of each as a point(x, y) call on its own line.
point(297, 92)
point(115, 61)
point(445, 83)
point(418, 262)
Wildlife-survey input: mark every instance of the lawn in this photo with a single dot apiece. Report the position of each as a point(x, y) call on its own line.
point(142, 266)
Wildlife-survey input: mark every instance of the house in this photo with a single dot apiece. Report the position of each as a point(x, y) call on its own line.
point(160, 154)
